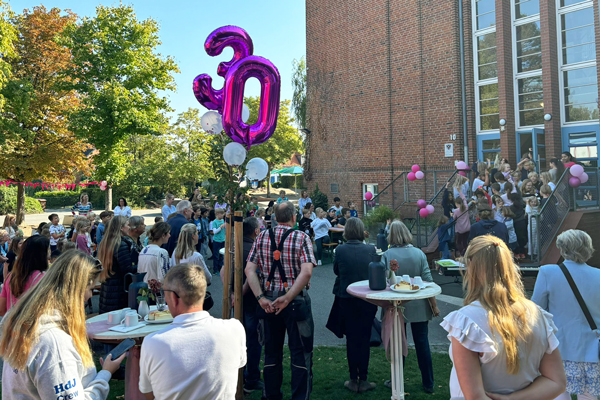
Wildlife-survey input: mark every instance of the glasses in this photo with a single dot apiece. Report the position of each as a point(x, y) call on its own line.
point(168, 290)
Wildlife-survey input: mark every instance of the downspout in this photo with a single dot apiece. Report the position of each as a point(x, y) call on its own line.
point(463, 81)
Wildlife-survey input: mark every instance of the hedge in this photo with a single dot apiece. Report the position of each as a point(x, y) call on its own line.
point(8, 202)
point(68, 198)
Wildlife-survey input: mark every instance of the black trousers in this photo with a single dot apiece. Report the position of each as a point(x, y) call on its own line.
point(296, 319)
point(358, 318)
point(522, 237)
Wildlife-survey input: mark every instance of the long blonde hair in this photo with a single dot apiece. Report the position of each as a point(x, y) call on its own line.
point(81, 224)
point(7, 220)
point(459, 181)
point(62, 289)
point(185, 242)
point(109, 243)
point(493, 279)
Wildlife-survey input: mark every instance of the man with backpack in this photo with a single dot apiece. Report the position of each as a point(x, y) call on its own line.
point(284, 259)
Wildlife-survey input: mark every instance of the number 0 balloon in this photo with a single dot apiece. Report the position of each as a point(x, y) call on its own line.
point(230, 99)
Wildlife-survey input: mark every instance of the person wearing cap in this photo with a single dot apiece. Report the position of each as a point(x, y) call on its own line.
point(284, 259)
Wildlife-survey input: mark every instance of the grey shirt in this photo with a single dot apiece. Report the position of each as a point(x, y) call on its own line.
point(412, 262)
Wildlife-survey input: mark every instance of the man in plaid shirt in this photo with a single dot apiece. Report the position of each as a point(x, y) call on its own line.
point(279, 280)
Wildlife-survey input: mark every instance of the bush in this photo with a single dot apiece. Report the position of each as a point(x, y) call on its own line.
point(379, 215)
point(59, 199)
point(8, 202)
point(319, 199)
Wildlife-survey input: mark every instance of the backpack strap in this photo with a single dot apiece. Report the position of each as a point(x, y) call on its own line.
point(578, 296)
point(277, 250)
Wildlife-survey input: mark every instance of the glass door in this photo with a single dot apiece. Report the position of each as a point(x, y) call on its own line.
point(369, 205)
point(532, 142)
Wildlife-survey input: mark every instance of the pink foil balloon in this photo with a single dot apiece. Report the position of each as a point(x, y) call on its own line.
point(225, 36)
point(411, 176)
point(419, 175)
point(415, 168)
point(421, 203)
point(423, 213)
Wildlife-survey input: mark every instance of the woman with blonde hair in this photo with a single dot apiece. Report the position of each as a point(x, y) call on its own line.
point(503, 346)
point(460, 185)
point(114, 253)
point(44, 342)
point(412, 261)
point(185, 251)
point(546, 178)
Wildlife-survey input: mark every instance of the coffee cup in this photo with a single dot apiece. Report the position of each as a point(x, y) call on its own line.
point(131, 319)
point(418, 281)
point(406, 278)
point(114, 317)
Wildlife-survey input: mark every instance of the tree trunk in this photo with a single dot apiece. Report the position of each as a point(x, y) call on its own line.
point(20, 204)
point(108, 199)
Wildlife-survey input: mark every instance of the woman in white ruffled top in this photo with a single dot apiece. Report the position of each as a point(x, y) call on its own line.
point(503, 345)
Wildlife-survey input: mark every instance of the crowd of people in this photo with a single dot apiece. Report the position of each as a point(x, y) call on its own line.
point(503, 346)
point(507, 202)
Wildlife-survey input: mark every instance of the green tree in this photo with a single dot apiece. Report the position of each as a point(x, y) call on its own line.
point(285, 140)
point(119, 73)
point(7, 50)
point(38, 142)
point(299, 96)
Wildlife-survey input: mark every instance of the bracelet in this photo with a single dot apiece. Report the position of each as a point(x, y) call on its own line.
point(260, 296)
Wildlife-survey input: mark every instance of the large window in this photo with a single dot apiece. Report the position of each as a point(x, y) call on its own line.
point(584, 147)
point(486, 64)
point(578, 61)
point(527, 62)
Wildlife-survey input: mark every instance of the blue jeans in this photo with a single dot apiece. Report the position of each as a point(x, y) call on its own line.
point(253, 347)
point(217, 256)
point(444, 249)
point(319, 242)
point(420, 333)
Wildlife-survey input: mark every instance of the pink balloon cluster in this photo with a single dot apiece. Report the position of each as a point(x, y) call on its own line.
point(461, 166)
point(415, 173)
point(425, 209)
point(578, 176)
point(103, 185)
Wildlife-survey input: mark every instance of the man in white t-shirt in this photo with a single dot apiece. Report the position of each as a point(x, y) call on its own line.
point(197, 356)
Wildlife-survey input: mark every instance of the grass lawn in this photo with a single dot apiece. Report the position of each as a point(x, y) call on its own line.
point(330, 370)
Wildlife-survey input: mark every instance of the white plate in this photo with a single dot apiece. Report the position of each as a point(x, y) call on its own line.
point(162, 321)
point(404, 290)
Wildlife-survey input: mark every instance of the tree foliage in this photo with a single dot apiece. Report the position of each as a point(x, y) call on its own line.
point(7, 49)
point(118, 73)
point(299, 96)
point(38, 142)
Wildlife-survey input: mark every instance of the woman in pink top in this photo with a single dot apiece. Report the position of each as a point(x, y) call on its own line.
point(28, 270)
point(567, 159)
point(462, 225)
point(83, 226)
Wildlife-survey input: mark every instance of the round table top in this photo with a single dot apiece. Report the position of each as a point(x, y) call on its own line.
point(388, 294)
point(112, 336)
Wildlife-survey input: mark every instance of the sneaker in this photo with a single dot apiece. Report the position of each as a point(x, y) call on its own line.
point(428, 390)
point(388, 384)
point(351, 386)
point(251, 387)
point(319, 262)
point(365, 386)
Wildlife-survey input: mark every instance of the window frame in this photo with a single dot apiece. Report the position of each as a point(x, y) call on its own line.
point(485, 137)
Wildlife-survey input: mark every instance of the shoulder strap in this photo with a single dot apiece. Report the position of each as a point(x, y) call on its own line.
point(577, 294)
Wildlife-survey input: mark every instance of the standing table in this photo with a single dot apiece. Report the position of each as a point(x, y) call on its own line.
point(393, 322)
point(97, 329)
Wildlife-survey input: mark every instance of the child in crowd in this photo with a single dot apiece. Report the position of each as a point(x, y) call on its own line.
point(482, 178)
point(305, 222)
point(528, 189)
point(535, 179)
point(462, 227)
point(282, 197)
point(337, 206)
point(352, 208)
point(10, 222)
point(105, 217)
point(500, 180)
point(498, 206)
point(321, 227)
point(532, 210)
point(344, 218)
point(545, 192)
point(65, 245)
point(260, 216)
point(46, 230)
point(516, 178)
point(91, 234)
point(331, 216)
point(508, 189)
point(444, 235)
point(217, 227)
point(81, 241)
point(508, 216)
point(311, 207)
point(197, 220)
point(448, 201)
point(546, 178)
point(482, 194)
point(206, 244)
point(496, 189)
point(253, 207)
point(57, 231)
point(39, 229)
point(505, 169)
point(461, 184)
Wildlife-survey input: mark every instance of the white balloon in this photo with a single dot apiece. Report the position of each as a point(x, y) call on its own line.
point(234, 154)
point(212, 122)
point(257, 169)
point(245, 113)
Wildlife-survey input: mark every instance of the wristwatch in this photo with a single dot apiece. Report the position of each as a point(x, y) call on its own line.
point(260, 296)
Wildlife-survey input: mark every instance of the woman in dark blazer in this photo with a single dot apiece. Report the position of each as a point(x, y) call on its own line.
point(355, 316)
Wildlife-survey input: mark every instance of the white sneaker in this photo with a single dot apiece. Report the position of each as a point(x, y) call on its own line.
point(319, 262)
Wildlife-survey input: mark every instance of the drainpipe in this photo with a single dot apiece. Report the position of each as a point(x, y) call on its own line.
point(463, 82)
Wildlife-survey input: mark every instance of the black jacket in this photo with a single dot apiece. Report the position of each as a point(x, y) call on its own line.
point(249, 299)
point(176, 223)
point(489, 226)
point(351, 265)
point(112, 292)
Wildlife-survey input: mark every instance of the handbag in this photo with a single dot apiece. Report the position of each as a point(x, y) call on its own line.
point(581, 302)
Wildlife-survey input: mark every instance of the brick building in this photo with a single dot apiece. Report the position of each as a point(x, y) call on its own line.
point(386, 88)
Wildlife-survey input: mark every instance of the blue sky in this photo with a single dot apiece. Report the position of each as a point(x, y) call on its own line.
point(277, 28)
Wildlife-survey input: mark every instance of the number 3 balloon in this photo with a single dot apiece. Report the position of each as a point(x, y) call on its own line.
point(229, 100)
